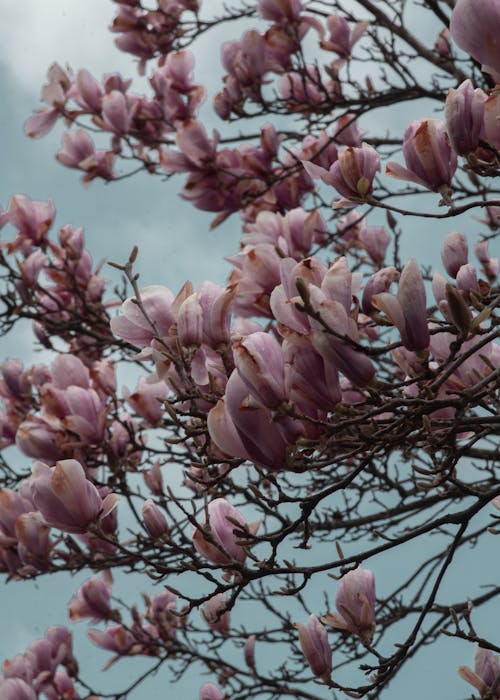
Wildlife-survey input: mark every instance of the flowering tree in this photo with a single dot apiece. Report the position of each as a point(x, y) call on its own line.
point(330, 406)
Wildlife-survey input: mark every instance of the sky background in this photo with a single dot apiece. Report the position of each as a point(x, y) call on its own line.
point(175, 244)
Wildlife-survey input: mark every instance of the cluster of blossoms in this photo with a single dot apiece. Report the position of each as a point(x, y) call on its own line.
point(314, 350)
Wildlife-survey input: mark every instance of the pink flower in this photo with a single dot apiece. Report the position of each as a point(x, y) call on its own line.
point(216, 613)
point(16, 689)
point(140, 327)
point(32, 219)
point(454, 252)
point(210, 692)
point(34, 544)
point(464, 110)
point(355, 602)
point(66, 498)
point(430, 159)
point(352, 174)
point(341, 37)
point(228, 530)
point(154, 520)
point(475, 27)
point(259, 360)
point(407, 310)
point(92, 600)
point(314, 644)
point(486, 672)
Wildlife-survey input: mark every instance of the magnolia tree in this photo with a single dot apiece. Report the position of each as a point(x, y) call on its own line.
point(293, 432)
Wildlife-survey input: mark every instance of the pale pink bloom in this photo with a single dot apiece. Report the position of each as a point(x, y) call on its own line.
point(103, 376)
point(116, 112)
point(17, 689)
point(430, 159)
point(341, 354)
point(352, 174)
point(341, 37)
point(347, 131)
point(228, 530)
point(115, 638)
point(486, 672)
point(454, 252)
point(87, 92)
point(12, 505)
point(475, 27)
point(463, 111)
point(249, 652)
point(259, 360)
point(32, 219)
point(377, 284)
point(14, 383)
point(407, 310)
point(313, 640)
point(154, 520)
point(209, 691)
point(66, 498)
point(375, 240)
point(310, 382)
point(34, 544)
point(146, 399)
point(140, 327)
point(37, 438)
point(254, 426)
point(490, 265)
point(92, 600)
point(76, 149)
point(154, 480)
point(355, 603)
point(467, 281)
point(216, 614)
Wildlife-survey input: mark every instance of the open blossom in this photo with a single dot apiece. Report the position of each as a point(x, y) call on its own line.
point(66, 498)
point(341, 37)
point(430, 159)
point(355, 603)
point(313, 640)
point(140, 326)
point(352, 173)
point(92, 600)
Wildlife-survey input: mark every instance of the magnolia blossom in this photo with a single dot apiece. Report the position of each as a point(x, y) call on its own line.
point(226, 528)
point(352, 173)
point(314, 644)
point(429, 156)
point(475, 27)
point(355, 602)
point(463, 111)
point(66, 498)
point(92, 600)
point(486, 672)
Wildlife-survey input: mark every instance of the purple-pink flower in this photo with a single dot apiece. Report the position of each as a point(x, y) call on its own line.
point(355, 603)
point(313, 640)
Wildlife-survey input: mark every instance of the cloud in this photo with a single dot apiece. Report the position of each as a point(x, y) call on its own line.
point(35, 34)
